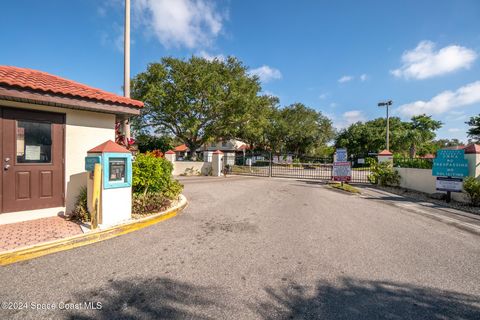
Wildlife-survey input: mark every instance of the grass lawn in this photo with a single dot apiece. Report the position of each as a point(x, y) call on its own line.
point(345, 187)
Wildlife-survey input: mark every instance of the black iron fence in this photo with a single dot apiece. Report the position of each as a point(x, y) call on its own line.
point(289, 166)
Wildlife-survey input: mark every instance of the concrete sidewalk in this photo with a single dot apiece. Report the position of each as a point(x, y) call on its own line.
point(27, 233)
point(460, 219)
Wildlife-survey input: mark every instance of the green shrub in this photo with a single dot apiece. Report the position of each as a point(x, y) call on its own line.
point(149, 203)
point(472, 188)
point(173, 190)
point(153, 185)
point(383, 174)
point(296, 163)
point(80, 211)
point(151, 174)
point(417, 163)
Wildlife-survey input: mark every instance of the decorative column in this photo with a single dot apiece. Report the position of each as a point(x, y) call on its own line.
point(171, 156)
point(217, 163)
point(385, 156)
point(472, 155)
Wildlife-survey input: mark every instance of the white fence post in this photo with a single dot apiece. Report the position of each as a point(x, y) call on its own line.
point(171, 156)
point(217, 163)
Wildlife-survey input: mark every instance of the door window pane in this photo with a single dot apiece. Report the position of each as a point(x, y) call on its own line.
point(34, 142)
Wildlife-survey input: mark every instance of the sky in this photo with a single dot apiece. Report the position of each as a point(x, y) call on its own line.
point(339, 57)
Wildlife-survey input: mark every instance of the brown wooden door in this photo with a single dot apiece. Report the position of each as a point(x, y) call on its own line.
point(32, 159)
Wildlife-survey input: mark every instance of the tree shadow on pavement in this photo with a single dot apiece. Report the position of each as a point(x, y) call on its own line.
point(360, 299)
point(157, 298)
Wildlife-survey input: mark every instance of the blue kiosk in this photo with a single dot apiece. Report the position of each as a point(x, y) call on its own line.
point(115, 205)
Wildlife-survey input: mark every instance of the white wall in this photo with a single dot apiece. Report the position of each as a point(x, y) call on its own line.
point(116, 206)
point(179, 167)
point(423, 181)
point(83, 131)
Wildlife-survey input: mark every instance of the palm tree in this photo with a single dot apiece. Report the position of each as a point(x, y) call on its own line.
point(420, 129)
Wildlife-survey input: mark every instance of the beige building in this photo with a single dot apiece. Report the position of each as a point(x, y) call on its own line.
point(47, 125)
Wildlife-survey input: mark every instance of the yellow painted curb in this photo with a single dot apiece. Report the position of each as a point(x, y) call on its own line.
point(81, 240)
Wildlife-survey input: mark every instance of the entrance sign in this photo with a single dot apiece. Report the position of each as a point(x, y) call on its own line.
point(342, 171)
point(341, 155)
point(450, 163)
point(449, 184)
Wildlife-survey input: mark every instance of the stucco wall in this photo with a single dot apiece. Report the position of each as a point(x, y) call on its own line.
point(423, 181)
point(179, 167)
point(83, 131)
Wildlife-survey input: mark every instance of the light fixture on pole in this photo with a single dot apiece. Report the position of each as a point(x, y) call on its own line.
point(387, 104)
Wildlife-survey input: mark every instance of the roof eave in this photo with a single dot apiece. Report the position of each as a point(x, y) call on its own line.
point(55, 100)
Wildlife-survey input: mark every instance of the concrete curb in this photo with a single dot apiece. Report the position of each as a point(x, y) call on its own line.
point(42, 249)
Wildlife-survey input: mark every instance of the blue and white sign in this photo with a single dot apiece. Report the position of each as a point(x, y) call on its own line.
point(341, 155)
point(449, 184)
point(90, 162)
point(450, 163)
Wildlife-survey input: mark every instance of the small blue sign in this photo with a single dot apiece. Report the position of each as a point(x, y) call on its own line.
point(450, 163)
point(341, 155)
point(90, 162)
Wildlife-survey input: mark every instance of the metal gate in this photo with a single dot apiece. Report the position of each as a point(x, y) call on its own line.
point(255, 164)
point(289, 166)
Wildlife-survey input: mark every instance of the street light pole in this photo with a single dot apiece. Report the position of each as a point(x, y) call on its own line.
point(387, 104)
point(126, 68)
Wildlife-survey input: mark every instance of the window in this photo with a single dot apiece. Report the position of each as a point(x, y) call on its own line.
point(34, 142)
point(117, 169)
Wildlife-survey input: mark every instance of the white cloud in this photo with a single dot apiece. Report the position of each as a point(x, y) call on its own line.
point(266, 73)
point(114, 39)
point(444, 101)
point(424, 62)
point(347, 119)
point(363, 77)
point(345, 79)
point(454, 130)
point(353, 116)
point(210, 57)
point(187, 23)
point(323, 96)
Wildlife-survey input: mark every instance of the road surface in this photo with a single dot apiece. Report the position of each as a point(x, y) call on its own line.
point(261, 248)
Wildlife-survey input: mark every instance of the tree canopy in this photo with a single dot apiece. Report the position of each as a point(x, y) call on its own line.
point(362, 138)
point(474, 130)
point(197, 99)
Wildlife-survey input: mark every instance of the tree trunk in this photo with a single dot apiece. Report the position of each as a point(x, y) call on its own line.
point(192, 152)
point(413, 151)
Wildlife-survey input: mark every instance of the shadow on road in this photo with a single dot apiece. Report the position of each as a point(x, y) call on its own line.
point(358, 299)
point(158, 298)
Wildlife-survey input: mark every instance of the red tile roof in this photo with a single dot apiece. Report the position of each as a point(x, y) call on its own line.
point(109, 146)
point(472, 148)
point(427, 156)
point(181, 148)
point(385, 153)
point(47, 83)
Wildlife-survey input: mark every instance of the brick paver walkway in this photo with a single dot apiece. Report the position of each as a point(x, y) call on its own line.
point(22, 234)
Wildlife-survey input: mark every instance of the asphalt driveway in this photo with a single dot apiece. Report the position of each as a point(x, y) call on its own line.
point(261, 248)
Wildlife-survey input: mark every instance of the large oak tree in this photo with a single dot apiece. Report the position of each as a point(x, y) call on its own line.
point(196, 100)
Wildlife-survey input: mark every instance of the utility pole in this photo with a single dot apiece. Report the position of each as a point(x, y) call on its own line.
point(126, 68)
point(387, 104)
